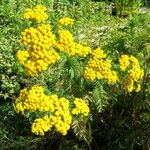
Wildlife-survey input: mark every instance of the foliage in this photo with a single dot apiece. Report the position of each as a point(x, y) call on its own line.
point(120, 120)
point(124, 7)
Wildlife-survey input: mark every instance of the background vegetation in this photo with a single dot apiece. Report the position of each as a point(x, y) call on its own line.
point(121, 121)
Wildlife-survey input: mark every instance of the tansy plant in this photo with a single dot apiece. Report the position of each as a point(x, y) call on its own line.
point(42, 49)
point(57, 111)
point(46, 46)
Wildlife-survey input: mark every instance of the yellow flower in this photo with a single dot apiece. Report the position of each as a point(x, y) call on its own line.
point(37, 13)
point(100, 68)
point(80, 107)
point(22, 56)
point(36, 100)
point(89, 74)
point(41, 125)
point(40, 54)
point(128, 84)
point(82, 50)
point(134, 72)
point(98, 54)
point(124, 62)
point(138, 88)
point(66, 21)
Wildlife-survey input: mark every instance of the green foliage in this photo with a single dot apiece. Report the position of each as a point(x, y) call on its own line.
point(98, 99)
point(120, 120)
point(8, 70)
point(125, 6)
point(82, 131)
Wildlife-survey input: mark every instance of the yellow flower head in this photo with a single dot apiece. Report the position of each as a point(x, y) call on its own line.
point(98, 67)
point(40, 41)
point(138, 88)
point(124, 62)
point(66, 21)
point(98, 54)
point(80, 107)
point(131, 65)
point(22, 56)
point(37, 13)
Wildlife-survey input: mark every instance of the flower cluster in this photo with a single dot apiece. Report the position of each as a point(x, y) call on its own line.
point(138, 88)
point(82, 50)
point(124, 62)
point(98, 54)
point(41, 125)
point(131, 65)
point(66, 44)
point(58, 110)
point(60, 118)
point(66, 21)
point(80, 107)
point(34, 100)
point(40, 41)
point(22, 56)
point(135, 72)
point(37, 13)
point(99, 67)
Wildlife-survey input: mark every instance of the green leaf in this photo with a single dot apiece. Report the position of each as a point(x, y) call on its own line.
point(99, 99)
point(81, 130)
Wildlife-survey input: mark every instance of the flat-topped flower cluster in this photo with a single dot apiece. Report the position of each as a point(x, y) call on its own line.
point(98, 67)
point(133, 72)
point(58, 112)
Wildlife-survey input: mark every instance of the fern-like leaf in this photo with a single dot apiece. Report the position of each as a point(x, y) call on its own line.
point(98, 99)
point(82, 130)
